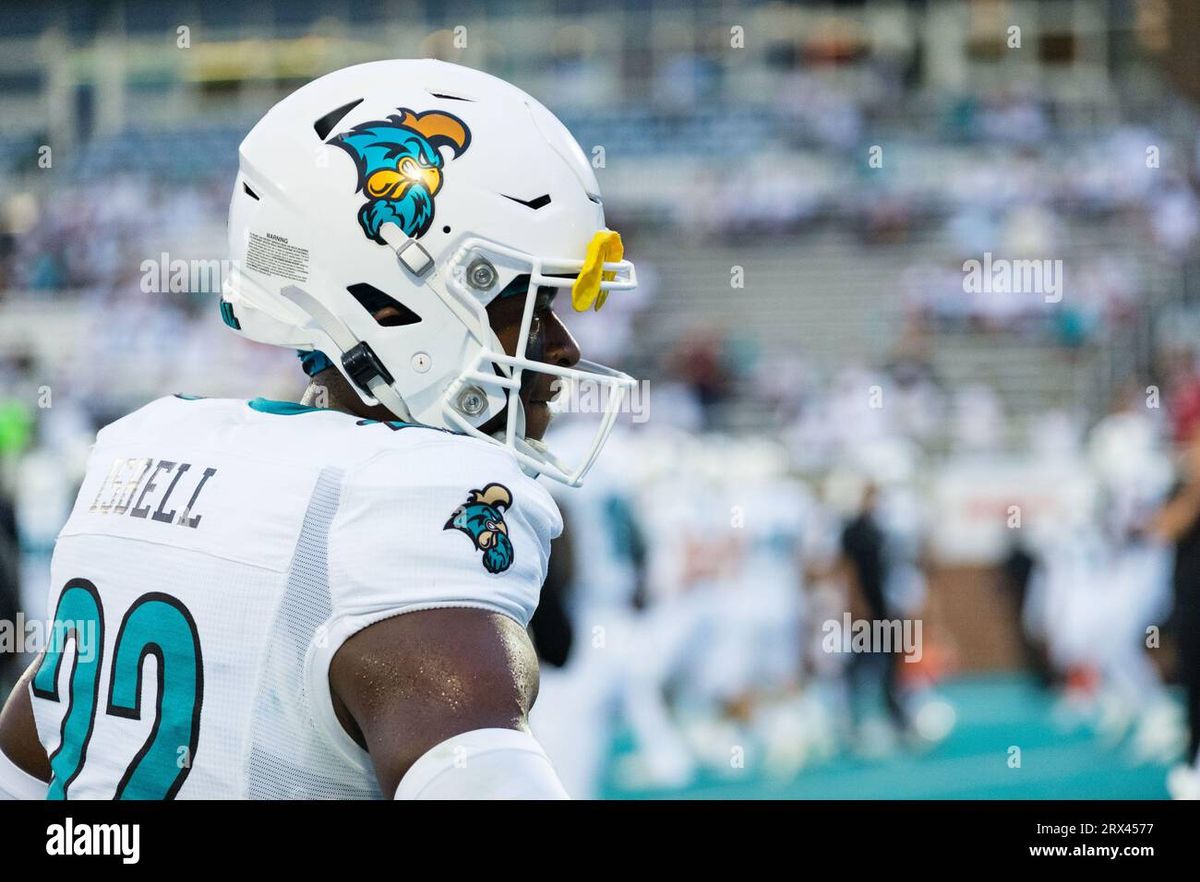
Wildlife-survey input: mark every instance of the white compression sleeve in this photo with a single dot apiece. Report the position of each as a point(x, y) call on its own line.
point(18, 784)
point(483, 764)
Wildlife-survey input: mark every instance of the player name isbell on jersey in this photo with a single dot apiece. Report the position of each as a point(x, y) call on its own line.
point(127, 475)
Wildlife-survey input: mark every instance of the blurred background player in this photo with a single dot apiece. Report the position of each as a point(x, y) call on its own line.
point(865, 546)
point(1179, 522)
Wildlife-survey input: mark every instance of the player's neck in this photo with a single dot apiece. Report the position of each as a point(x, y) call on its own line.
point(329, 389)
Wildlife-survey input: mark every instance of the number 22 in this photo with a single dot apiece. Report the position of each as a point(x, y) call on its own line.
point(156, 624)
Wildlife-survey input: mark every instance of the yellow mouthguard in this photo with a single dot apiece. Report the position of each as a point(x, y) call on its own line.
point(605, 247)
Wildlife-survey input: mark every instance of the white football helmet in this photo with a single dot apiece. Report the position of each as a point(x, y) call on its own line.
point(432, 188)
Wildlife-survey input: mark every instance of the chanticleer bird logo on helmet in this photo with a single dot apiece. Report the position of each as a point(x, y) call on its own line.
point(482, 518)
point(400, 167)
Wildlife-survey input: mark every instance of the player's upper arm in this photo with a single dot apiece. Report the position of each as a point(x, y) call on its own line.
point(410, 682)
point(436, 558)
point(18, 734)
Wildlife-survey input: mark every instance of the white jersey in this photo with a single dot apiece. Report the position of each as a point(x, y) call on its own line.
point(218, 555)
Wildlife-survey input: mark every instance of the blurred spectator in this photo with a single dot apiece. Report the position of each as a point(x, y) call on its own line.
point(1179, 522)
point(864, 545)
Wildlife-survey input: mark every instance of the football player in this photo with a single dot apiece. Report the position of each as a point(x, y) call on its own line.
point(329, 599)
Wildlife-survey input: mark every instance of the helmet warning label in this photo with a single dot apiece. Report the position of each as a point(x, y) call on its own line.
point(271, 254)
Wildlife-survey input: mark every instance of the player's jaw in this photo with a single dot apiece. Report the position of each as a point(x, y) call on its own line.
point(550, 342)
point(536, 402)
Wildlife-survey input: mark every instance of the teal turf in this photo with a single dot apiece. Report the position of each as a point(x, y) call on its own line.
point(1059, 759)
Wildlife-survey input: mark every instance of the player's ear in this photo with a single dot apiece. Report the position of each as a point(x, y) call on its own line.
point(384, 308)
point(390, 316)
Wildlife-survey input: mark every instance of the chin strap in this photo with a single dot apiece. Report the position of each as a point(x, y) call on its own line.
point(527, 446)
point(540, 452)
point(535, 449)
point(530, 448)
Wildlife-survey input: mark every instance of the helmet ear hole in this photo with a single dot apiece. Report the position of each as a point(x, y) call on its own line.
point(387, 311)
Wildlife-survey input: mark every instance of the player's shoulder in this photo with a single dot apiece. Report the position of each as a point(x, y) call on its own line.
point(376, 459)
point(412, 459)
point(187, 410)
point(139, 416)
point(438, 518)
point(288, 431)
point(171, 415)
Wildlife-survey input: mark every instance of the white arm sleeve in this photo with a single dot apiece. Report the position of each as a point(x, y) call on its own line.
point(483, 764)
point(18, 784)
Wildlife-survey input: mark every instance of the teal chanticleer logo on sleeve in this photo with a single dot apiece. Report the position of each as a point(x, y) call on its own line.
point(482, 518)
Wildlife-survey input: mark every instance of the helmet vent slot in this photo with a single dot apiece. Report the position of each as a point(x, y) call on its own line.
point(535, 203)
point(325, 124)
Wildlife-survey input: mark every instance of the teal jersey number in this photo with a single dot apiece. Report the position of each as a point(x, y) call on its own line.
point(78, 608)
point(156, 624)
point(159, 625)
